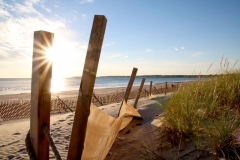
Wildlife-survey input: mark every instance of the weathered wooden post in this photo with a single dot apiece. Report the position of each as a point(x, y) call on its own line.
point(139, 93)
point(130, 83)
point(150, 88)
point(82, 112)
point(129, 87)
point(40, 93)
point(165, 88)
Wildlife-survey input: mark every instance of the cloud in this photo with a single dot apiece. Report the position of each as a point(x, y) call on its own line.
point(197, 54)
point(27, 7)
point(85, 1)
point(108, 44)
point(182, 47)
point(176, 49)
point(84, 16)
point(18, 27)
point(148, 50)
point(126, 57)
point(56, 6)
point(116, 55)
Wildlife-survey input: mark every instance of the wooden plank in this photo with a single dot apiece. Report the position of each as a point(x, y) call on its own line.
point(86, 88)
point(150, 88)
point(40, 93)
point(165, 88)
point(139, 93)
point(156, 89)
point(97, 99)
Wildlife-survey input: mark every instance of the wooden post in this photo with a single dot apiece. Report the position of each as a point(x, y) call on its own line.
point(139, 93)
point(129, 87)
point(150, 88)
point(40, 93)
point(130, 83)
point(165, 88)
point(146, 92)
point(82, 112)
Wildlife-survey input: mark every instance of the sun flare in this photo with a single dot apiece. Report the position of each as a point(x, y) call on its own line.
point(57, 84)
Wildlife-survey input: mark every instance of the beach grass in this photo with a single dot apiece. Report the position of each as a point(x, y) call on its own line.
point(207, 113)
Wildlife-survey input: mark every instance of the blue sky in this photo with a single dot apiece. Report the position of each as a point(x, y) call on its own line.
point(163, 37)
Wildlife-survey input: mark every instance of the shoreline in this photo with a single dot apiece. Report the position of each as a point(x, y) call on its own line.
point(74, 93)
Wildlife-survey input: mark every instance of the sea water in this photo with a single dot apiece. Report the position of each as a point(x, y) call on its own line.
point(23, 85)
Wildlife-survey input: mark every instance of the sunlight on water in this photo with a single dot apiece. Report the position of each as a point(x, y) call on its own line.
point(58, 84)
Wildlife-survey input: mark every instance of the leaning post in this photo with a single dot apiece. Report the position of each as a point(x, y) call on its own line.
point(40, 93)
point(165, 88)
point(150, 88)
point(130, 83)
point(139, 93)
point(82, 112)
point(129, 87)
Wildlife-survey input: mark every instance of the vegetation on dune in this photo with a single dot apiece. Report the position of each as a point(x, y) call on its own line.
point(207, 113)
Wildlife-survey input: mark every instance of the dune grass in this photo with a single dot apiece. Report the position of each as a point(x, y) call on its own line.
point(207, 113)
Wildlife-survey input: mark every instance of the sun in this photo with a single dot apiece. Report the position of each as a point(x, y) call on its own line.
point(51, 54)
point(57, 84)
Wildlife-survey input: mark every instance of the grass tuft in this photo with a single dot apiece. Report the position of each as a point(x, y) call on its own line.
point(207, 112)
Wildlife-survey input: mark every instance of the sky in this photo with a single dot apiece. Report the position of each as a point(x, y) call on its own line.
point(159, 37)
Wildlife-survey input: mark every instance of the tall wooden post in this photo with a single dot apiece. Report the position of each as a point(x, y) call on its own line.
point(130, 83)
point(165, 88)
point(129, 87)
point(150, 88)
point(82, 112)
point(40, 93)
point(139, 93)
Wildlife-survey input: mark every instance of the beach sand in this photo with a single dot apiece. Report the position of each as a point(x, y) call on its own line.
point(128, 144)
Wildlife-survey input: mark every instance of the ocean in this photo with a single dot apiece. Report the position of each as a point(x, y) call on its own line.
point(23, 85)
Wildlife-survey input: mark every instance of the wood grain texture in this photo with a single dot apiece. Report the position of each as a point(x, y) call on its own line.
point(139, 93)
point(40, 93)
point(82, 112)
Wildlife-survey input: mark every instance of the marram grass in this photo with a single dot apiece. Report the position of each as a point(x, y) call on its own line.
point(207, 112)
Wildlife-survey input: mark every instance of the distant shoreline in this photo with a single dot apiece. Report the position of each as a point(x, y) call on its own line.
point(74, 93)
point(143, 76)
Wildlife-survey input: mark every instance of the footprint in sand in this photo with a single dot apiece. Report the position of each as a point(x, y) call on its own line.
point(61, 120)
point(67, 138)
point(11, 157)
point(23, 150)
point(128, 131)
point(17, 133)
